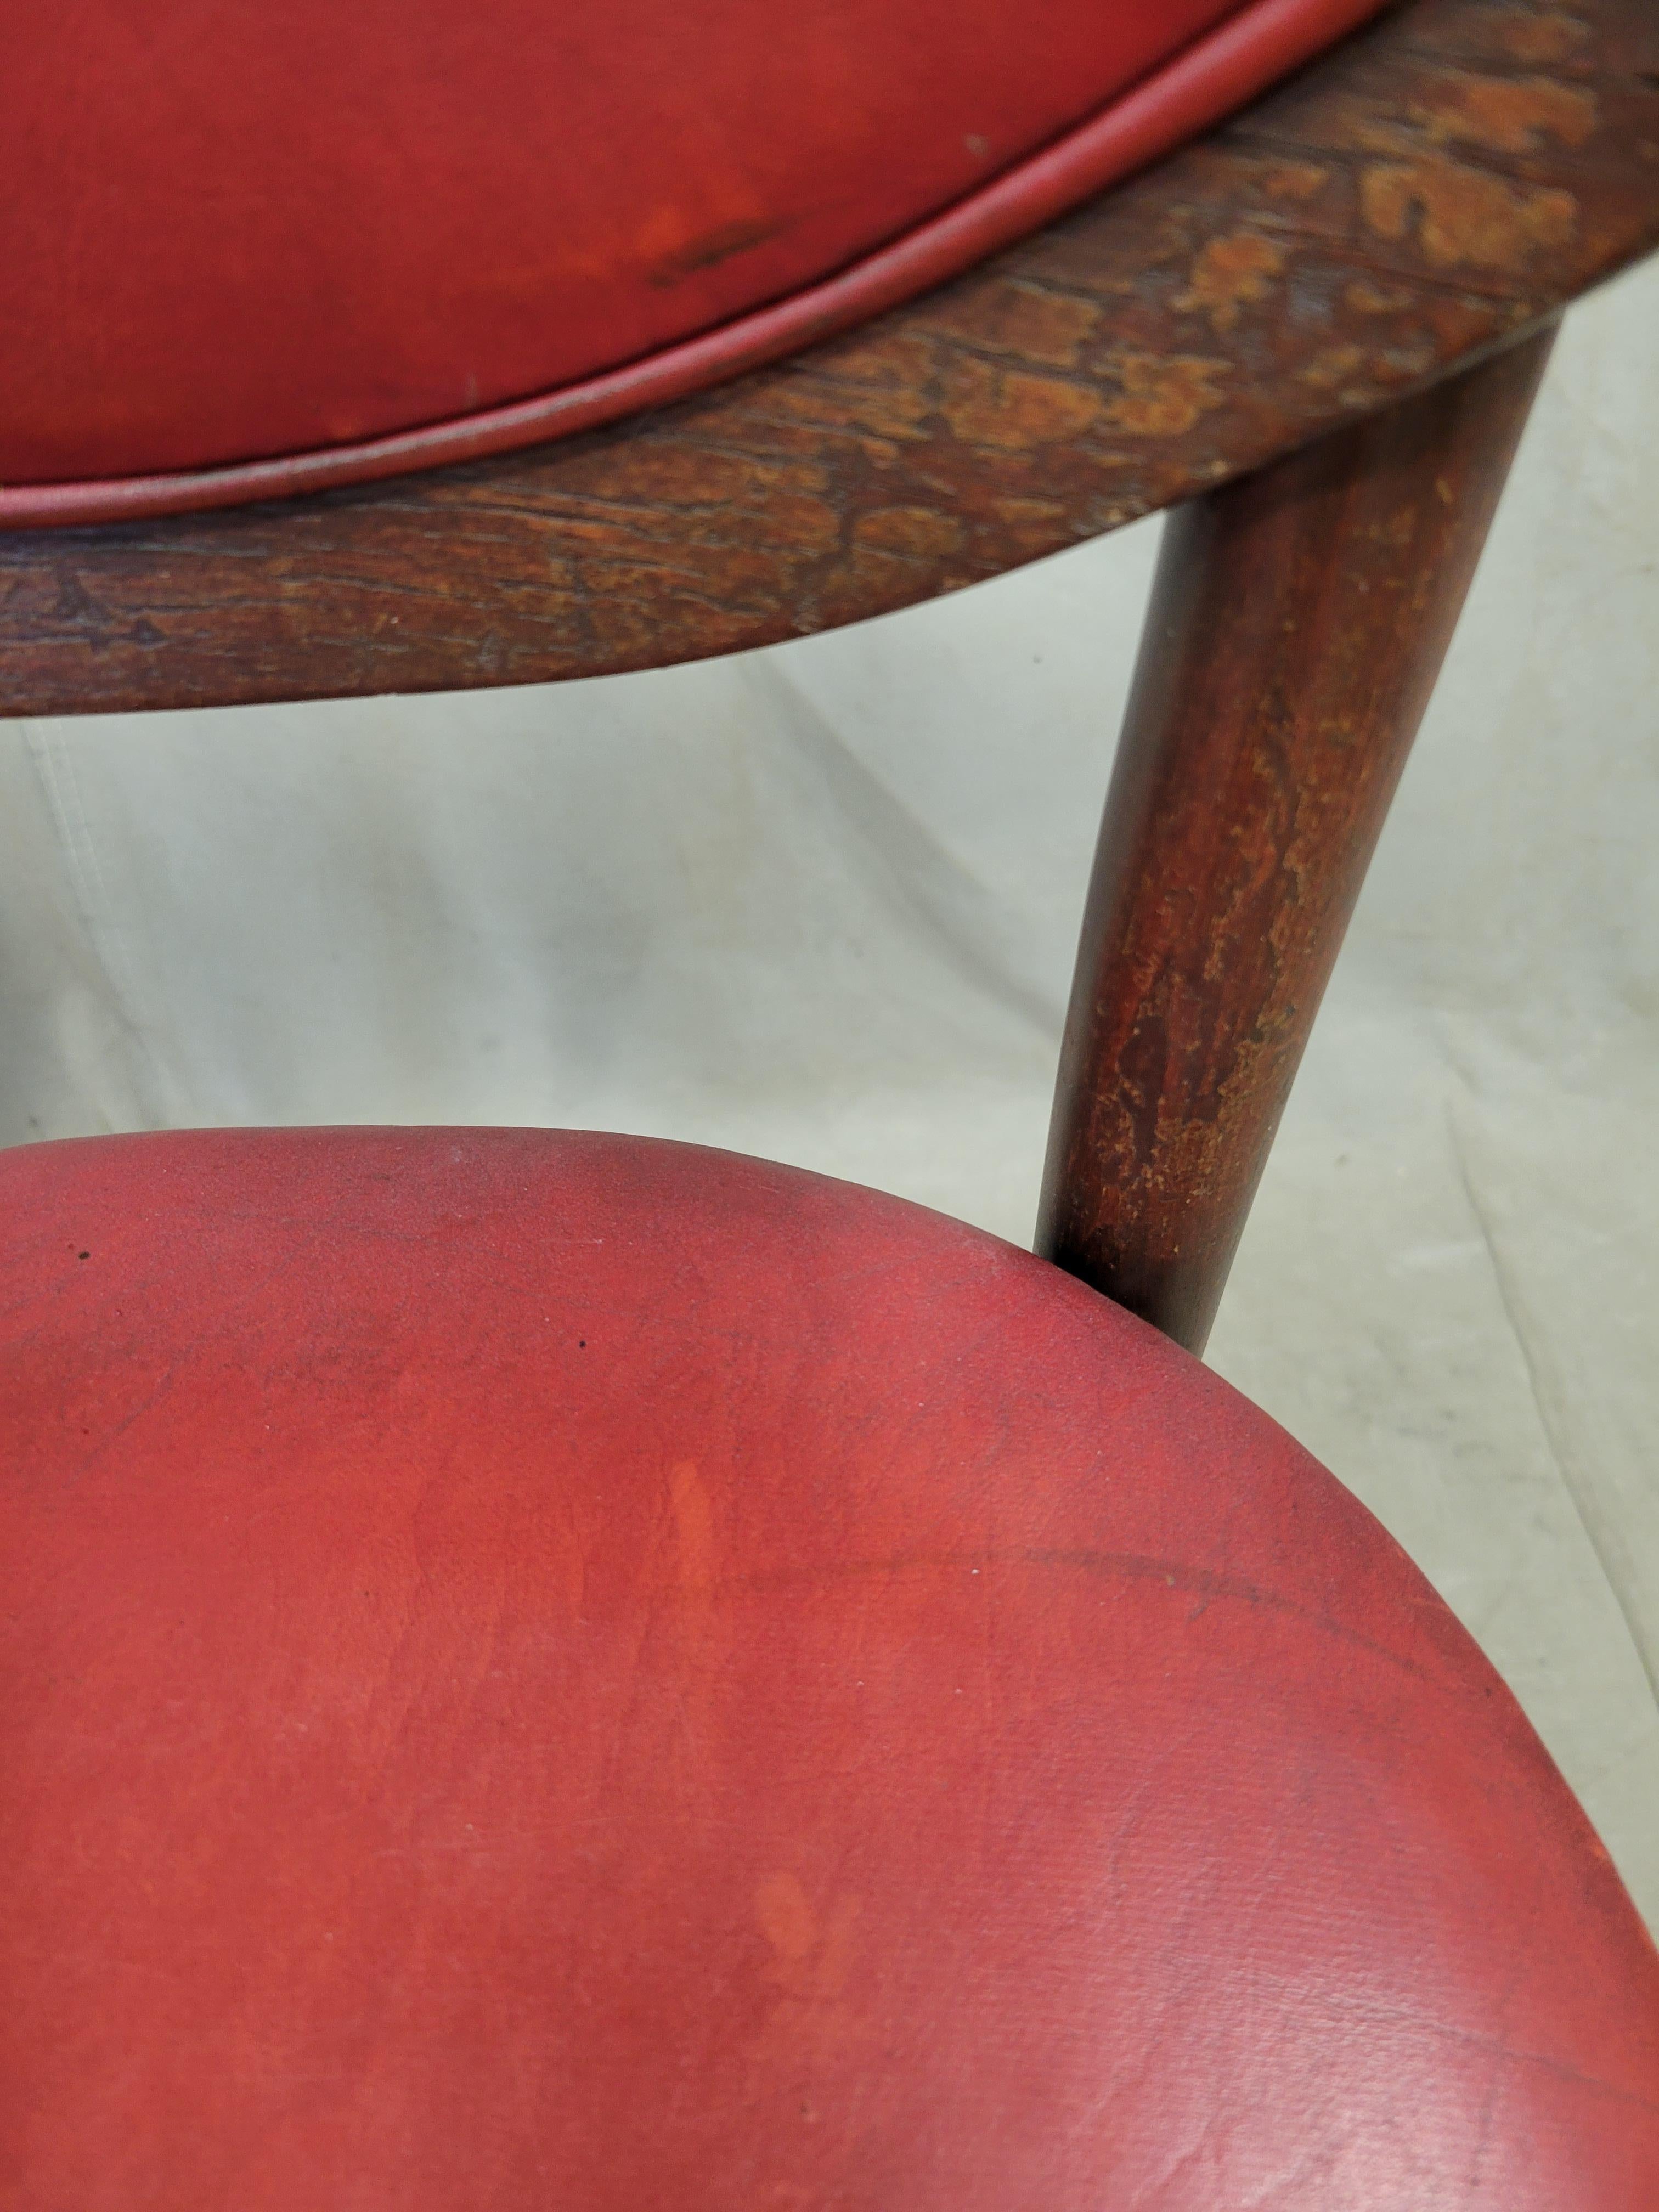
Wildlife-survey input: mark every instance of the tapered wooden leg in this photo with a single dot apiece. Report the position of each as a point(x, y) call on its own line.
point(1298, 624)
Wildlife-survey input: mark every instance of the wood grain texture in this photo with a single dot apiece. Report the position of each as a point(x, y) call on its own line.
point(1436, 185)
point(1297, 622)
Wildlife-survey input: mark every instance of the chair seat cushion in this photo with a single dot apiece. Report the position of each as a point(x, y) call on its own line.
point(571, 1670)
point(234, 234)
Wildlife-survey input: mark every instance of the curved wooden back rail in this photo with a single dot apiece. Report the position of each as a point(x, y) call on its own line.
point(1434, 187)
point(1347, 262)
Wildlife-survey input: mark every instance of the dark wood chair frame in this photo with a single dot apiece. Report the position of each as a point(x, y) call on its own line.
point(1317, 334)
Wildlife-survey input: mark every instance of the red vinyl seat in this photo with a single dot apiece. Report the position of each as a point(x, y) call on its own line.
point(295, 232)
point(573, 1670)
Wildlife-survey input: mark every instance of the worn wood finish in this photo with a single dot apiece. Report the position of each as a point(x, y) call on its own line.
point(1297, 622)
point(1440, 183)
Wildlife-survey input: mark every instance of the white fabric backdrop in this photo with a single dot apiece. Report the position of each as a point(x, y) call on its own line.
point(820, 904)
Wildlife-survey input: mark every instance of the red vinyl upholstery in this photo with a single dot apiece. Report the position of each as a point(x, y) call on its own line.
point(572, 1671)
point(234, 233)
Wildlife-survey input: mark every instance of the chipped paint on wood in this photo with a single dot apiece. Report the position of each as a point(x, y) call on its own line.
point(1508, 115)
point(1163, 395)
point(1551, 37)
point(1297, 181)
point(1011, 411)
point(1462, 217)
point(1366, 298)
point(1336, 366)
point(1230, 275)
point(920, 531)
point(1032, 323)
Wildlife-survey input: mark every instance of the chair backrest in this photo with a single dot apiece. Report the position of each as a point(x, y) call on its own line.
point(1390, 220)
point(278, 247)
point(1452, 175)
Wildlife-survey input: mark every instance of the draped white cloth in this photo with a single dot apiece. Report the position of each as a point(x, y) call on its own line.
point(820, 904)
